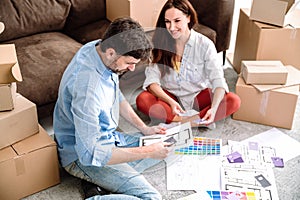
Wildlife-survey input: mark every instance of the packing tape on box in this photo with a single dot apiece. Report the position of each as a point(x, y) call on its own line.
point(293, 33)
point(264, 103)
point(20, 166)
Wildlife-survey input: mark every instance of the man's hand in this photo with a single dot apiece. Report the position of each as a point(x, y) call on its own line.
point(151, 130)
point(159, 150)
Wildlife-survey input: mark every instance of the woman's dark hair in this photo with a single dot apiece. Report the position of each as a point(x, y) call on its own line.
point(127, 38)
point(164, 45)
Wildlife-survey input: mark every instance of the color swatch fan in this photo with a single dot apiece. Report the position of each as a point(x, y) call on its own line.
point(201, 146)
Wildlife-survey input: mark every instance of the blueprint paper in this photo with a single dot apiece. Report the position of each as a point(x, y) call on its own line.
point(286, 147)
point(190, 172)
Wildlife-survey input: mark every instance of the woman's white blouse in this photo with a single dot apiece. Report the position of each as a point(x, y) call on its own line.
point(200, 69)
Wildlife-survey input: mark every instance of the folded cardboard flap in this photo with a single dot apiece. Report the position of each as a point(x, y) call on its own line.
point(16, 73)
point(6, 154)
point(34, 142)
point(2, 27)
point(9, 67)
point(293, 78)
point(7, 96)
point(270, 11)
point(31, 144)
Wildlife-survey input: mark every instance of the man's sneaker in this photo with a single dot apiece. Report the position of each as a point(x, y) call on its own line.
point(212, 126)
point(91, 189)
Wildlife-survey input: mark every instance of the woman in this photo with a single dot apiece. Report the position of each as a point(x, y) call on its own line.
point(185, 73)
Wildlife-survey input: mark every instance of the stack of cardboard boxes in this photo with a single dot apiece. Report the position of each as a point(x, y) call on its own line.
point(28, 155)
point(269, 93)
point(267, 59)
point(270, 30)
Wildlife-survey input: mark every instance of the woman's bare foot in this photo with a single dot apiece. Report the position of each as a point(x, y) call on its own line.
point(179, 118)
point(190, 119)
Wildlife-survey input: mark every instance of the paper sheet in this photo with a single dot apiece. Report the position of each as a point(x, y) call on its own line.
point(257, 162)
point(286, 147)
point(189, 172)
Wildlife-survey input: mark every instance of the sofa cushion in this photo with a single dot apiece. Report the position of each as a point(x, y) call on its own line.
point(27, 17)
point(84, 12)
point(208, 32)
point(43, 59)
point(89, 32)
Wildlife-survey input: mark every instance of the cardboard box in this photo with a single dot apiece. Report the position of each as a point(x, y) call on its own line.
point(28, 166)
point(19, 123)
point(7, 96)
point(144, 11)
point(260, 41)
point(293, 78)
point(9, 67)
point(270, 11)
point(274, 108)
point(264, 72)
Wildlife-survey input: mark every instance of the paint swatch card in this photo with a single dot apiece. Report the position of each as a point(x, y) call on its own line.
point(202, 146)
point(231, 195)
point(221, 195)
point(262, 180)
point(277, 161)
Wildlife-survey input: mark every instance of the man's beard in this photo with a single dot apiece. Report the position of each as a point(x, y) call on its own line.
point(120, 72)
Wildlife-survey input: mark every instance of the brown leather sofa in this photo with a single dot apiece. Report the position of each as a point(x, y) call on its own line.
point(47, 34)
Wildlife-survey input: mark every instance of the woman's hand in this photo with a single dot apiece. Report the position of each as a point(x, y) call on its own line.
point(176, 108)
point(209, 116)
point(217, 98)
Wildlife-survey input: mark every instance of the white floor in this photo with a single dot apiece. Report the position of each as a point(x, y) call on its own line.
point(238, 5)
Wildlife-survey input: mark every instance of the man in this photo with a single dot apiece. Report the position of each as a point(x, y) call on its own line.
point(87, 112)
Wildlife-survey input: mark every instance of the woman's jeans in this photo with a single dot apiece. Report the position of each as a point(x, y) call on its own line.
point(124, 180)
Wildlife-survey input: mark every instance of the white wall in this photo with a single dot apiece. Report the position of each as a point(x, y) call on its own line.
point(238, 5)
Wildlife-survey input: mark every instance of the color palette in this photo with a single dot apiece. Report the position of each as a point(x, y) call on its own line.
point(202, 146)
point(229, 195)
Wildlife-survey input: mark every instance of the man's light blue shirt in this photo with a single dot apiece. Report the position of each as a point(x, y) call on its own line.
point(86, 113)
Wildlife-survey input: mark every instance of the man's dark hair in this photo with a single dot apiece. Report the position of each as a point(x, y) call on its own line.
point(127, 38)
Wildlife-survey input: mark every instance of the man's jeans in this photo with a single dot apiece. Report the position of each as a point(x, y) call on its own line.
point(124, 180)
